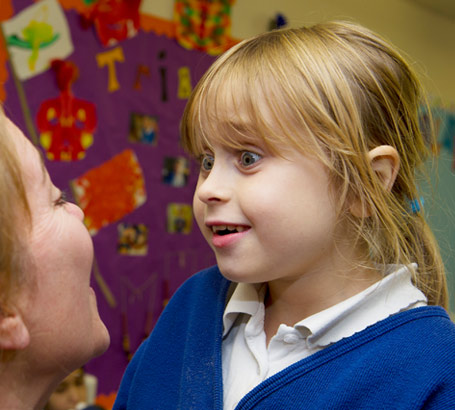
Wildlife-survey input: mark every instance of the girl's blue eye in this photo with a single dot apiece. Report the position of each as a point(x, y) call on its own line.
point(207, 162)
point(249, 158)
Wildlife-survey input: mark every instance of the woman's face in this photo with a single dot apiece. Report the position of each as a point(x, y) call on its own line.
point(60, 307)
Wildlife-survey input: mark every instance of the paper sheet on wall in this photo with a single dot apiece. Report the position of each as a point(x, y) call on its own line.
point(203, 25)
point(110, 191)
point(36, 36)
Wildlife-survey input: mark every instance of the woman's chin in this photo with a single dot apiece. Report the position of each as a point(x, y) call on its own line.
point(103, 339)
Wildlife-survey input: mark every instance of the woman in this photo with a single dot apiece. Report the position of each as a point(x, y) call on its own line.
point(49, 321)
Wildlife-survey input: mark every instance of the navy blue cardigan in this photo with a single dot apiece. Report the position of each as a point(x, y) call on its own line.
point(406, 361)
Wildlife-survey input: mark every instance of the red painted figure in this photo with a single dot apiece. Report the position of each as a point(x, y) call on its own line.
point(66, 123)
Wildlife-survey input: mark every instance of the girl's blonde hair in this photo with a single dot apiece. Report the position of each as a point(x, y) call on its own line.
point(334, 90)
point(14, 212)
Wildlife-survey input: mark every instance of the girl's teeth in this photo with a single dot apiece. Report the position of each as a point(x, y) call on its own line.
point(231, 228)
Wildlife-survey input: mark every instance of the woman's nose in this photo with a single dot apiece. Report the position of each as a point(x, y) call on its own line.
point(75, 210)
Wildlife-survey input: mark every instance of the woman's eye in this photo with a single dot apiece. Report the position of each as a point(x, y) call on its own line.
point(61, 200)
point(249, 158)
point(207, 162)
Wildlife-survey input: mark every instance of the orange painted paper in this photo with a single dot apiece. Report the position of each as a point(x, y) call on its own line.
point(110, 191)
point(6, 12)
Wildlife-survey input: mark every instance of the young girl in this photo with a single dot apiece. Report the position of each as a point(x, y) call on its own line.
point(328, 280)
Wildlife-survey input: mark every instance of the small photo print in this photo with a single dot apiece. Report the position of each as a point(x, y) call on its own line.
point(179, 218)
point(132, 239)
point(143, 129)
point(176, 171)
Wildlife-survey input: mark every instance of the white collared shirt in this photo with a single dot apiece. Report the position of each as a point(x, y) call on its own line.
point(247, 361)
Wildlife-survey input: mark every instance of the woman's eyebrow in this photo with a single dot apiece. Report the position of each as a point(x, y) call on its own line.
point(43, 165)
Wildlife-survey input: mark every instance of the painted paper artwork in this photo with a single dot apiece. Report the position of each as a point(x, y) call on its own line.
point(109, 59)
point(36, 36)
point(204, 24)
point(179, 218)
point(110, 191)
point(66, 123)
point(114, 20)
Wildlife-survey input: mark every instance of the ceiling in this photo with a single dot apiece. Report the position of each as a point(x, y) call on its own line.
point(443, 7)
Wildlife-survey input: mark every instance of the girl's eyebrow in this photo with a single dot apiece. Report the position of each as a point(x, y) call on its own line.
point(238, 126)
point(242, 128)
point(245, 131)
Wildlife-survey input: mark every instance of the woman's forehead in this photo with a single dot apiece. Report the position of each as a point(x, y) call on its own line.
point(32, 164)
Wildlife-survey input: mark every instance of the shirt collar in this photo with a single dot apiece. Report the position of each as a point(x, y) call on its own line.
point(393, 294)
point(390, 295)
point(246, 299)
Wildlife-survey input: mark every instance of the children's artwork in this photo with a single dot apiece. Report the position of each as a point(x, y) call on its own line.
point(176, 171)
point(143, 128)
point(185, 88)
point(142, 71)
point(66, 123)
point(106, 401)
point(108, 59)
point(163, 75)
point(131, 295)
point(132, 239)
point(114, 20)
point(36, 36)
point(6, 12)
point(179, 218)
point(204, 24)
point(110, 191)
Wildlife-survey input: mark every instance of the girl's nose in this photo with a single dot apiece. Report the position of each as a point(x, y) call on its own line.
point(214, 187)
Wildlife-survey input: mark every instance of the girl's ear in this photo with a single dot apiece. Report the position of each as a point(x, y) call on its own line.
point(14, 334)
point(385, 162)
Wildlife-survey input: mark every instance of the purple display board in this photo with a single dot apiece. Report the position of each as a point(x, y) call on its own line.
point(140, 280)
